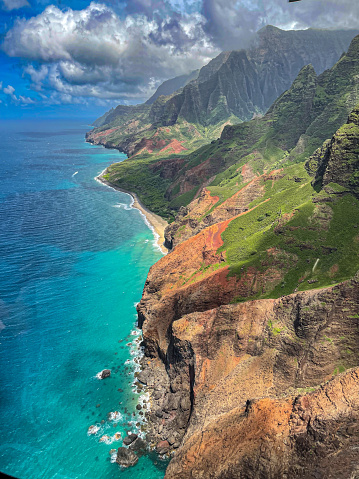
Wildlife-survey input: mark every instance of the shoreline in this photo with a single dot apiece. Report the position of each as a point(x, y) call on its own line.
point(155, 222)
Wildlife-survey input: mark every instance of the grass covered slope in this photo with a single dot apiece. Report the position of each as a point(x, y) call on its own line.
point(310, 239)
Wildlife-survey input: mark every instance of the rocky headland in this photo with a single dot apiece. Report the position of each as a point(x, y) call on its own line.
point(251, 322)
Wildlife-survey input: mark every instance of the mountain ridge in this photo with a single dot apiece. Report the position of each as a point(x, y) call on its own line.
point(231, 88)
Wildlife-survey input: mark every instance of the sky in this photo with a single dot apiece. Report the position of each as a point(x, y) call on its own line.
point(80, 58)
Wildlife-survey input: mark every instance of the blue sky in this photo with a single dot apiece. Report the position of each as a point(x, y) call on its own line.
point(80, 58)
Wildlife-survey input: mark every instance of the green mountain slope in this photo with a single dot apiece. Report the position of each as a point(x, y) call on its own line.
point(294, 127)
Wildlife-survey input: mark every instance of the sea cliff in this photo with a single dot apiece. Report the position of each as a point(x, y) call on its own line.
point(250, 323)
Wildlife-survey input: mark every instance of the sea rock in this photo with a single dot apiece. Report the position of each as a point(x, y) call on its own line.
point(129, 439)
point(93, 429)
point(125, 457)
point(105, 438)
point(105, 373)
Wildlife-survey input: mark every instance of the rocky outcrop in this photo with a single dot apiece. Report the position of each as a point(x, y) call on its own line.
point(217, 362)
point(129, 439)
point(126, 458)
point(105, 373)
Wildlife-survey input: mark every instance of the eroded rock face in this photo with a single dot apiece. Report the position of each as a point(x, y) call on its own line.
point(337, 161)
point(313, 435)
point(216, 362)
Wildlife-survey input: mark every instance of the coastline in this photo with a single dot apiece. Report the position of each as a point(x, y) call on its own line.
point(155, 222)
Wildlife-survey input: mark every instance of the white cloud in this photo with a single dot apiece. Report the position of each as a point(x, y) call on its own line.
point(14, 4)
point(9, 90)
point(93, 52)
point(23, 100)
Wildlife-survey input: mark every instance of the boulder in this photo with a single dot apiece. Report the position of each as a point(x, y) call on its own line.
point(139, 446)
point(162, 447)
point(143, 377)
point(129, 439)
point(125, 457)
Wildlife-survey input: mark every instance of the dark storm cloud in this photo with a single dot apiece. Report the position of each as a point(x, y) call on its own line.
point(124, 52)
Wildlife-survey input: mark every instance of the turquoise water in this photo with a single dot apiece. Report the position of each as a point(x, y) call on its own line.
point(73, 261)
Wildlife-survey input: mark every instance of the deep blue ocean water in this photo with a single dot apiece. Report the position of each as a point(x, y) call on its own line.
point(73, 261)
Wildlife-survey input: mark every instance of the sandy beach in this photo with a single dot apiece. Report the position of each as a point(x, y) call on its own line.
point(156, 223)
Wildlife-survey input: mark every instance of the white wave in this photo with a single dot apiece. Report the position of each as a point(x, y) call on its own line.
point(155, 244)
point(125, 206)
point(114, 416)
point(92, 430)
point(75, 173)
point(106, 439)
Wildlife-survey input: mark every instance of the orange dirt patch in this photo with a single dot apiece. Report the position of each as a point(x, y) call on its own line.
point(247, 172)
point(104, 133)
point(174, 145)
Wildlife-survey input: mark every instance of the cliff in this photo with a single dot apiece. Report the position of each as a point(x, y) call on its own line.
point(250, 323)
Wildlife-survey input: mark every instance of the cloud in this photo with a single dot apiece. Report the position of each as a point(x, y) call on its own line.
point(93, 52)
point(231, 24)
point(23, 100)
point(14, 4)
point(9, 90)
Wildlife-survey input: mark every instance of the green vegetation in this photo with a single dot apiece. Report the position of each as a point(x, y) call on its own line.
point(136, 175)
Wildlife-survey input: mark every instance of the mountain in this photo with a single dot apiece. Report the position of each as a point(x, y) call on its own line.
point(170, 86)
point(231, 88)
point(295, 125)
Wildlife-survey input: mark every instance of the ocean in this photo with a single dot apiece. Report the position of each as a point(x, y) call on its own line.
point(74, 257)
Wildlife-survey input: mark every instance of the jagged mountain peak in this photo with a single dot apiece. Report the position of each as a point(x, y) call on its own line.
point(337, 161)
